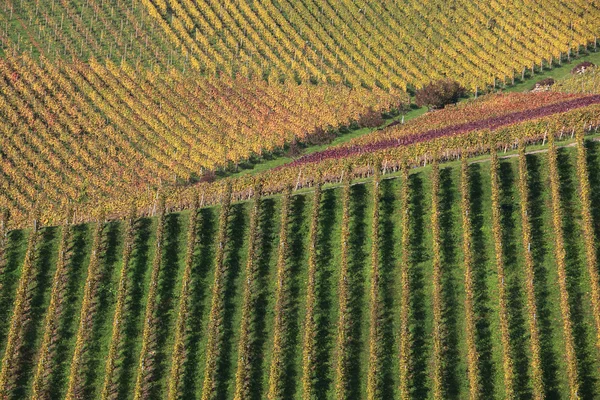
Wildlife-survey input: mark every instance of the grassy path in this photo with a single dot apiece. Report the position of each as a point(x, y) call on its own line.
point(515, 277)
point(168, 296)
point(557, 72)
point(420, 287)
point(139, 277)
point(16, 247)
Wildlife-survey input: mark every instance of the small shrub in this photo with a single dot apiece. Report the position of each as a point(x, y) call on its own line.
point(544, 84)
point(582, 67)
point(208, 176)
point(393, 123)
point(370, 119)
point(321, 136)
point(293, 148)
point(439, 94)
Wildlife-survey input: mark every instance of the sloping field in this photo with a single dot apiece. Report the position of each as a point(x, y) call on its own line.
point(453, 256)
point(105, 101)
point(374, 43)
point(580, 83)
point(465, 280)
point(458, 121)
point(87, 133)
point(76, 171)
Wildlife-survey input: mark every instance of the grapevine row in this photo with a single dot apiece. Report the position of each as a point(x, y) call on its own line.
point(45, 361)
point(344, 325)
point(246, 349)
point(374, 376)
point(309, 348)
point(560, 255)
point(215, 328)
point(507, 359)
point(493, 123)
point(4, 229)
point(277, 367)
point(20, 316)
point(405, 336)
point(179, 351)
point(146, 363)
point(471, 329)
point(535, 363)
point(588, 231)
point(76, 380)
point(438, 307)
point(109, 389)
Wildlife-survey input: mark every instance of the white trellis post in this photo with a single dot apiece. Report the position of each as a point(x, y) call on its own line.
point(298, 180)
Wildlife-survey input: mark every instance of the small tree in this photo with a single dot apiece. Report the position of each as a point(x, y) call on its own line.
point(440, 93)
point(370, 119)
point(319, 136)
point(208, 176)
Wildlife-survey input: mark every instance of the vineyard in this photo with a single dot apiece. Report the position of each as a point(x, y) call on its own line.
point(105, 101)
point(398, 286)
point(74, 132)
point(588, 82)
point(205, 199)
point(375, 43)
point(103, 169)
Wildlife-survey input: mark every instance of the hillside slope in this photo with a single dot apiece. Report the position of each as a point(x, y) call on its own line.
point(105, 101)
point(452, 256)
point(87, 133)
point(361, 267)
point(374, 43)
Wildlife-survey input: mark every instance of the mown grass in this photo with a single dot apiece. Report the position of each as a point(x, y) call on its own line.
point(488, 341)
point(262, 317)
point(235, 260)
point(390, 218)
point(298, 266)
point(453, 291)
point(169, 295)
point(268, 257)
point(421, 281)
point(361, 222)
point(328, 275)
point(514, 275)
point(202, 279)
point(139, 276)
point(97, 349)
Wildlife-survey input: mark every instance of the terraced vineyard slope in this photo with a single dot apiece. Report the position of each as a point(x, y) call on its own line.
point(374, 43)
point(219, 199)
point(91, 133)
point(254, 276)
